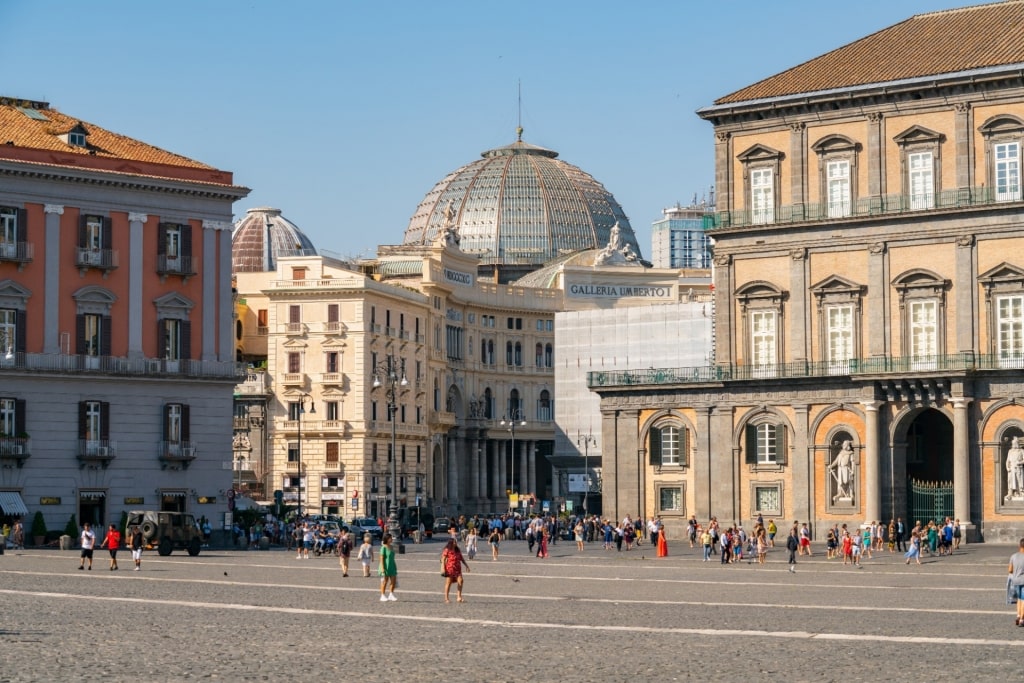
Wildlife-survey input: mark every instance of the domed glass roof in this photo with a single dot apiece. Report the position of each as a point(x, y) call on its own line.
point(263, 236)
point(520, 204)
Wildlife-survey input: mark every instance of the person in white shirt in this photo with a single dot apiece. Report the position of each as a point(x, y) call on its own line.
point(88, 541)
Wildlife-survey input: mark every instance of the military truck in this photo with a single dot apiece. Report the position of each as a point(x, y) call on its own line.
point(167, 531)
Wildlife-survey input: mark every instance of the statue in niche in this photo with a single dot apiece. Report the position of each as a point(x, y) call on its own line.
point(1015, 470)
point(616, 251)
point(841, 470)
point(449, 236)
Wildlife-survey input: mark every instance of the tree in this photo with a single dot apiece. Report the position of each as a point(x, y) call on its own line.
point(39, 525)
point(71, 529)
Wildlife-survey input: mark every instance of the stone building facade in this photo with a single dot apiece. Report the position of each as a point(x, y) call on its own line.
point(869, 289)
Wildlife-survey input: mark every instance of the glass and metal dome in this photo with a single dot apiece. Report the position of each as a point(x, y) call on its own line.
point(520, 205)
point(261, 237)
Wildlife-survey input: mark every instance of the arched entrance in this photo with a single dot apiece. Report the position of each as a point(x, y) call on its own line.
point(929, 462)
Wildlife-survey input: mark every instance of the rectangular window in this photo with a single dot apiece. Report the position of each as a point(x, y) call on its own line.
point(294, 410)
point(331, 411)
point(173, 333)
point(1007, 171)
point(8, 332)
point(839, 324)
point(294, 362)
point(294, 314)
point(174, 422)
point(331, 361)
point(767, 444)
point(924, 335)
point(11, 232)
point(762, 196)
point(1010, 323)
point(762, 341)
point(172, 243)
point(670, 499)
point(768, 500)
point(94, 233)
point(670, 445)
point(93, 426)
point(293, 451)
point(332, 451)
point(921, 180)
point(298, 273)
point(332, 313)
point(838, 173)
point(7, 427)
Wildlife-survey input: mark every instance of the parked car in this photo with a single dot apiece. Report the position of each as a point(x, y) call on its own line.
point(441, 526)
point(366, 525)
point(167, 531)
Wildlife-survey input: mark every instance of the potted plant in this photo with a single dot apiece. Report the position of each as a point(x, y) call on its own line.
point(70, 534)
point(38, 528)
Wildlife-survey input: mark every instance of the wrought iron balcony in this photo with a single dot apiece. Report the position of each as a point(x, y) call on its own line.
point(855, 367)
point(103, 259)
point(176, 454)
point(885, 205)
point(18, 252)
point(14, 448)
point(185, 266)
point(96, 452)
point(62, 363)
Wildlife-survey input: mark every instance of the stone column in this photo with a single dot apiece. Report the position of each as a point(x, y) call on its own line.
point(961, 461)
point(798, 312)
point(802, 466)
point(877, 332)
point(485, 446)
point(701, 466)
point(51, 295)
point(798, 165)
point(496, 456)
point(532, 468)
point(453, 473)
point(502, 470)
point(875, 158)
point(474, 469)
point(522, 468)
point(136, 254)
point(871, 489)
point(724, 319)
point(723, 172)
point(962, 143)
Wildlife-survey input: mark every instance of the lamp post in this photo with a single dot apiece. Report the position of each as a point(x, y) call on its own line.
point(390, 373)
point(515, 416)
point(301, 412)
point(586, 441)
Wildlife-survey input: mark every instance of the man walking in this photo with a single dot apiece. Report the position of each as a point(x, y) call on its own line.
point(792, 543)
point(136, 542)
point(87, 541)
point(901, 535)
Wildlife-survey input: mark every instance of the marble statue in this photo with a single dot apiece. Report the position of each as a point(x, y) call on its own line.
point(1015, 469)
point(842, 469)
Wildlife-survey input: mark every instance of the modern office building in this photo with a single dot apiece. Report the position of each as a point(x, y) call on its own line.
point(869, 281)
point(679, 239)
point(116, 346)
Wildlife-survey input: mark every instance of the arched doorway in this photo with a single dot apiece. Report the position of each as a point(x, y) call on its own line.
point(929, 461)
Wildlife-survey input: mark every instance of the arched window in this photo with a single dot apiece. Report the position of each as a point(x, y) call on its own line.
point(515, 405)
point(540, 355)
point(508, 353)
point(666, 445)
point(544, 411)
point(519, 354)
point(549, 356)
point(488, 404)
point(437, 395)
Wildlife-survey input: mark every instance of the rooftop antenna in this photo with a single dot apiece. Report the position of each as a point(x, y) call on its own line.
point(519, 122)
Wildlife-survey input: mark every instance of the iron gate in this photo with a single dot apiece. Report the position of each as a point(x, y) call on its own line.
point(929, 500)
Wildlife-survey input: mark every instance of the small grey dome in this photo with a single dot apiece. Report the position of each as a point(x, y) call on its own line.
point(263, 236)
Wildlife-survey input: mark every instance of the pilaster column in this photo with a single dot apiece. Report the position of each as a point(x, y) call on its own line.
point(51, 294)
point(453, 473)
point(966, 299)
point(532, 468)
point(496, 457)
point(877, 332)
point(961, 461)
point(725, 322)
point(875, 160)
point(871, 489)
point(798, 163)
point(799, 313)
point(485, 445)
point(962, 125)
point(802, 467)
point(723, 172)
point(474, 469)
point(218, 315)
point(136, 254)
point(522, 467)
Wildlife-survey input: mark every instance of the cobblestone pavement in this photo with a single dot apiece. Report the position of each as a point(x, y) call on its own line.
point(591, 616)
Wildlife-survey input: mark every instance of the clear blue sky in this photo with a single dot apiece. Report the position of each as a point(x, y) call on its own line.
point(345, 114)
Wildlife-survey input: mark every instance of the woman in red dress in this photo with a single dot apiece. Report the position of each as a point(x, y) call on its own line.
point(662, 542)
point(452, 560)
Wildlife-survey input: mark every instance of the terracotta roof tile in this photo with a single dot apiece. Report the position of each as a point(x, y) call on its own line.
point(930, 44)
point(23, 130)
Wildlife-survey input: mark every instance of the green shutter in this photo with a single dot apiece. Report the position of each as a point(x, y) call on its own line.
point(782, 450)
point(750, 457)
point(654, 449)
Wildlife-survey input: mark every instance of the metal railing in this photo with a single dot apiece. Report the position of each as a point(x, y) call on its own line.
point(104, 259)
point(956, 362)
point(176, 450)
point(20, 252)
point(864, 207)
point(178, 265)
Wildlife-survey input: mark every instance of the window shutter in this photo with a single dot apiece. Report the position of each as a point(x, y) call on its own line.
point(186, 339)
point(20, 330)
point(161, 338)
point(105, 420)
point(782, 450)
point(332, 313)
point(105, 335)
point(19, 416)
point(83, 240)
point(684, 447)
point(80, 334)
point(167, 422)
point(22, 226)
point(750, 457)
point(186, 432)
point(161, 241)
point(186, 240)
point(108, 242)
point(654, 449)
point(83, 418)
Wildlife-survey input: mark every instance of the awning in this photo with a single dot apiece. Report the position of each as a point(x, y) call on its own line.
point(12, 504)
point(92, 495)
point(173, 494)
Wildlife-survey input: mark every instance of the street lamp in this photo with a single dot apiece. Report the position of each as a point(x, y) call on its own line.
point(515, 417)
point(301, 412)
point(586, 441)
point(390, 373)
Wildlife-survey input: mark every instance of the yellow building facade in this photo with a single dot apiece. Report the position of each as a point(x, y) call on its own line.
point(869, 298)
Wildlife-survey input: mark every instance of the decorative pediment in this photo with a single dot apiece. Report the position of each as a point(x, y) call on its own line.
point(920, 283)
point(295, 344)
point(332, 393)
point(918, 135)
point(760, 152)
point(174, 300)
point(94, 294)
point(833, 144)
point(333, 344)
point(836, 289)
point(1001, 124)
point(1003, 278)
point(13, 295)
point(760, 292)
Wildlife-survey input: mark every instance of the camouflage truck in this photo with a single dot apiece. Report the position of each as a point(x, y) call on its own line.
point(167, 531)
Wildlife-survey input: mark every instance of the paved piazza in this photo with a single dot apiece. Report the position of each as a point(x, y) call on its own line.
point(591, 616)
